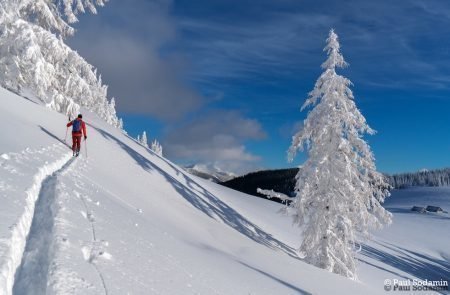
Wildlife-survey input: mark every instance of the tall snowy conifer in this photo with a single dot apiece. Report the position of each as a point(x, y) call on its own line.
point(34, 57)
point(338, 190)
point(144, 140)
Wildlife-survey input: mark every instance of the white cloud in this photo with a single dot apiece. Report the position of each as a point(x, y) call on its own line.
point(125, 42)
point(216, 138)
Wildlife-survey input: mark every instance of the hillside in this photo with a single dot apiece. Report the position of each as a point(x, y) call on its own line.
point(121, 220)
point(283, 181)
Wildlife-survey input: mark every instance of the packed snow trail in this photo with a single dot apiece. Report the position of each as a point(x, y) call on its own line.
point(21, 178)
point(31, 276)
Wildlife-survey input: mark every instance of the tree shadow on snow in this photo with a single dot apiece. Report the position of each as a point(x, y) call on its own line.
point(413, 263)
point(290, 286)
point(54, 136)
point(205, 201)
point(215, 251)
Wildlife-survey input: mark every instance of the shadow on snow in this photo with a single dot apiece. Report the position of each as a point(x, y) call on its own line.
point(294, 288)
point(410, 262)
point(205, 201)
point(54, 136)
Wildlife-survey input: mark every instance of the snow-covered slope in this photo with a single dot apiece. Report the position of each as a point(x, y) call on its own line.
point(121, 220)
point(416, 245)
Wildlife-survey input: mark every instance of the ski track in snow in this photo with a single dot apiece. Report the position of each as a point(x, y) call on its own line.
point(31, 276)
point(30, 167)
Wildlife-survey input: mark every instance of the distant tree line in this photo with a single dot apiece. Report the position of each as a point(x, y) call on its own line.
point(283, 181)
point(440, 177)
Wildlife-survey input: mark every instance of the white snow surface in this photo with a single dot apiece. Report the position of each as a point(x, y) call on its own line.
point(122, 220)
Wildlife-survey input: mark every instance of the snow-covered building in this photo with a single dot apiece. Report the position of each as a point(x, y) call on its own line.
point(434, 209)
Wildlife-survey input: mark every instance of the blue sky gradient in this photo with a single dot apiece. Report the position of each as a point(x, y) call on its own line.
point(222, 81)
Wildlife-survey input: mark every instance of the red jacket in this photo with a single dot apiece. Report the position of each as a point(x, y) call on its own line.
point(83, 127)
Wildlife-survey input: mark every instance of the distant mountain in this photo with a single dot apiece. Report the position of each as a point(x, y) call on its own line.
point(209, 172)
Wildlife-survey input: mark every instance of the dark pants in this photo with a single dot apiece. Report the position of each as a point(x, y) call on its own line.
point(76, 142)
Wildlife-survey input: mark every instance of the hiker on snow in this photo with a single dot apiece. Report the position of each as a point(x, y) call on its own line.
point(78, 129)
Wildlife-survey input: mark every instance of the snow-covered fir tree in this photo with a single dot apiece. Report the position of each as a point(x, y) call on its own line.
point(143, 139)
point(157, 148)
point(338, 190)
point(34, 56)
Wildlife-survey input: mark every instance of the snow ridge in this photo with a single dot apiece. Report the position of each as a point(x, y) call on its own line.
point(19, 230)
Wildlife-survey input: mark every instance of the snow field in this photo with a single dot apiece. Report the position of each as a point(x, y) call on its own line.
point(126, 221)
point(129, 221)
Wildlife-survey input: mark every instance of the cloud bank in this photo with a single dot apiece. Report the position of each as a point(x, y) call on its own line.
point(126, 42)
point(217, 137)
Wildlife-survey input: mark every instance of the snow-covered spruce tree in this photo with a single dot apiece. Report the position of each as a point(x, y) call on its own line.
point(144, 140)
point(157, 148)
point(33, 56)
point(338, 190)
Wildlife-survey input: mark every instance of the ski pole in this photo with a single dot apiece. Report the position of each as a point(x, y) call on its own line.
point(65, 138)
point(67, 129)
point(85, 147)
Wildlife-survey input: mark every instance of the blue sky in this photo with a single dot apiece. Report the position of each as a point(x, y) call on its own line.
point(222, 81)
